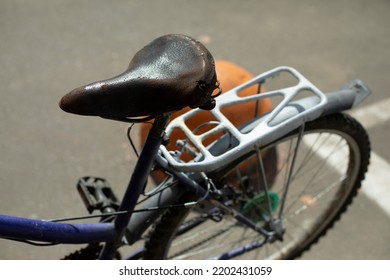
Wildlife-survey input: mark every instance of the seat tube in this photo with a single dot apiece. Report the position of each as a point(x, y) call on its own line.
point(137, 182)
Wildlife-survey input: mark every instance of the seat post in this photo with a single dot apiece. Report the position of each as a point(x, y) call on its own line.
point(137, 181)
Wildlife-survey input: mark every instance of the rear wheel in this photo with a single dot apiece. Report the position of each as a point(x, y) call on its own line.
point(308, 197)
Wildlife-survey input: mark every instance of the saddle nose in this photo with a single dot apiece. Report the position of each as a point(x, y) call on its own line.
point(107, 98)
point(78, 101)
point(170, 73)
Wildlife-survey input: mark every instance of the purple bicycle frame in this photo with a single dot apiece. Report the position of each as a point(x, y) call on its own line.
point(45, 231)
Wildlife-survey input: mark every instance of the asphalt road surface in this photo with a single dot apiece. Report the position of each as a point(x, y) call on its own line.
point(48, 48)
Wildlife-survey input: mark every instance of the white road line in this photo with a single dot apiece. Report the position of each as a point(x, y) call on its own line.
point(373, 114)
point(376, 185)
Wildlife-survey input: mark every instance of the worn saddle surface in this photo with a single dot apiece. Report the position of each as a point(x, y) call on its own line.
point(170, 73)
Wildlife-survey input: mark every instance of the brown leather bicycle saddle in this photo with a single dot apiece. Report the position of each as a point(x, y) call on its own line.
point(170, 73)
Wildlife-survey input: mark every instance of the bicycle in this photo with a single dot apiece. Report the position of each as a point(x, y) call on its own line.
point(267, 187)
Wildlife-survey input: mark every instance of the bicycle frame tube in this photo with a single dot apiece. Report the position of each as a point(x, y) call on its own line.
point(140, 221)
point(137, 184)
point(45, 231)
point(241, 250)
